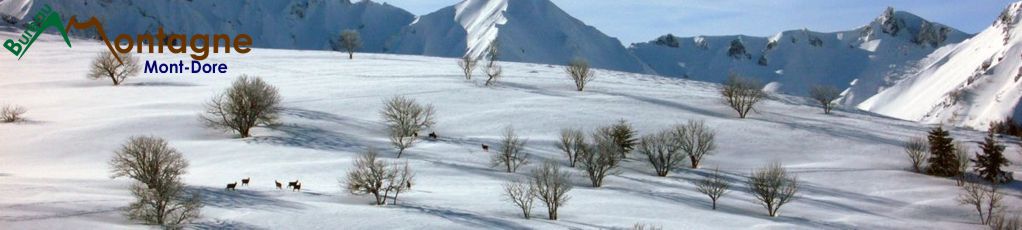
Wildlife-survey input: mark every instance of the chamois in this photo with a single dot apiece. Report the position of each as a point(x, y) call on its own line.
point(244, 182)
point(433, 135)
point(231, 186)
point(297, 187)
point(279, 185)
point(292, 183)
point(486, 148)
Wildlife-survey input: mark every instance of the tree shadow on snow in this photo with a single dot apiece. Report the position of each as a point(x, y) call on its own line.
point(464, 217)
point(310, 137)
point(810, 194)
point(671, 104)
point(162, 84)
point(220, 198)
point(222, 224)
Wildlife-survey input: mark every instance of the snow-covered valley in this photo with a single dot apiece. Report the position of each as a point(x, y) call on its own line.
point(54, 171)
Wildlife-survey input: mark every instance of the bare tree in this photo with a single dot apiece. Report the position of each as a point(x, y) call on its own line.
point(714, 186)
point(521, 194)
point(106, 65)
point(405, 118)
point(552, 186)
point(351, 41)
point(512, 153)
point(663, 153)
point(493, 69)
point(12, 113)
point(401, 182)
point(158, 190)
point(917, 149)
point(370, 176)
point(964, 163)
point(640, 226)
point(602, 158)
point(467, 64)
point(579, 72)
point(1005, 221)
point(985, 201)
point(249, 102)
point(572, 144)
point(825, 95)
point(742, 94)
point(773, 187)
point(696, 140)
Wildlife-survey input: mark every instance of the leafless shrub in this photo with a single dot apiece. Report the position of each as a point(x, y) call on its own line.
point(579, 72)
point(158, 190)
point(741, 94)
point(825, 95)
point(572, 143)
point(964, 163)
point(986, 201)
point(512, 155)
point(351, 41)
point(522, 195)
point(405, 118)
point(249, 102)
point(1004, 221)
point(402, 181)
point(639, 226)
point(468, 65)
point(696, 140)
point(369, 176)
point(12, 113)
point(662, 151)
point(917, 149)
point(372, 176)
point(493, 69)
point(106, 65)
point(552, 186)
point(773, 187)
point(602, 158)
point(714, 186)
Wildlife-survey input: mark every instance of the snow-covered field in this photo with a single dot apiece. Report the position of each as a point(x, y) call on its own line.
point(54, 173)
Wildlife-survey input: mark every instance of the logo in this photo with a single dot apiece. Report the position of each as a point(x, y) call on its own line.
point(44, 19)
point(200, 45)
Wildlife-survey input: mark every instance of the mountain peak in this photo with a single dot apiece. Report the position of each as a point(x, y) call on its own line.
point(905, 25)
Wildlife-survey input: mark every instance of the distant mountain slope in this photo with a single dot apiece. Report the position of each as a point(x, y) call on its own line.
point(970, 84)
point(287, 24)
point(865, 60)
point(526, 31)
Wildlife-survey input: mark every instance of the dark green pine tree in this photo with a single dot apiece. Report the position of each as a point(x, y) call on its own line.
point(988, 163)
point(624, 135)
point(943, 161)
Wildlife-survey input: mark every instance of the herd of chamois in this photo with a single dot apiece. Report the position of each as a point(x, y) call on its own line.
point(297, 186)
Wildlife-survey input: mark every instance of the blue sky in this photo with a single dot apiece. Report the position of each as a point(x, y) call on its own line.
point(642, 20)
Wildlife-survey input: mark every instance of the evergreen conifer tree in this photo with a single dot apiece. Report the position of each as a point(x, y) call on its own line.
point(943, 161)
point(988, 163)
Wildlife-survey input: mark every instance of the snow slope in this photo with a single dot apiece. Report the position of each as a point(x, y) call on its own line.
point(874, 56)
point(970, 84)
point(534, 31)
point(290, 24)
point(53, 171)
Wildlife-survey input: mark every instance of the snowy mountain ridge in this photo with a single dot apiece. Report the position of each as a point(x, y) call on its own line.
point(969, 84)
point(481, 19)
point(863, 61)
point(285, 24)
point(535, 31)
